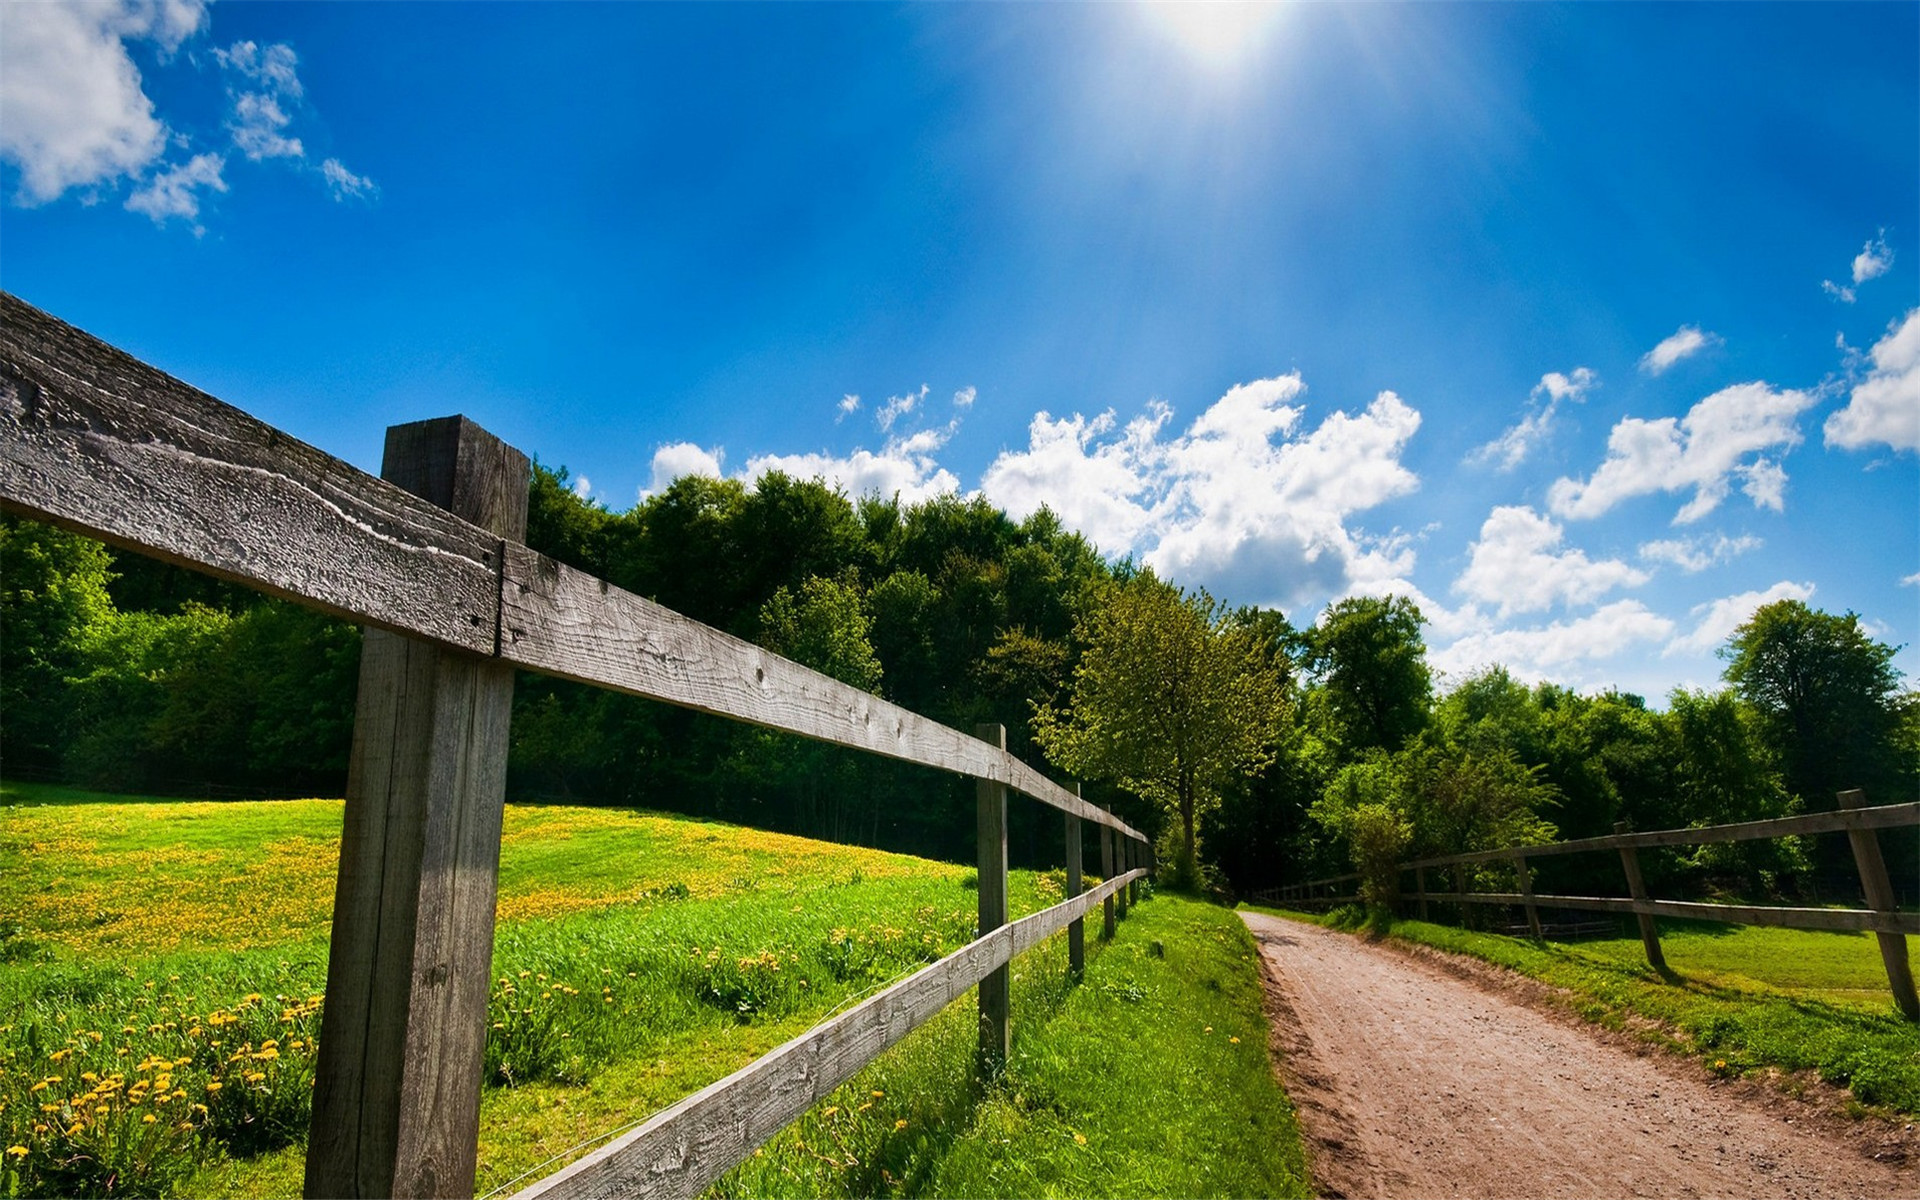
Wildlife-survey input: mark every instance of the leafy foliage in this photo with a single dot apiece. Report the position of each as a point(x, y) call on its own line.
point(1173, 699)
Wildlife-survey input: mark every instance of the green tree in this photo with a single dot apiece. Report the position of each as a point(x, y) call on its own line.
point(53, 593)
point(1372, 665)
point(1829, 697)
point(1174, 699)
point(823, 626)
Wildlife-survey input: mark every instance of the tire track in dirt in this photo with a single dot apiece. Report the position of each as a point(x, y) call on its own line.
point(1411, 1082)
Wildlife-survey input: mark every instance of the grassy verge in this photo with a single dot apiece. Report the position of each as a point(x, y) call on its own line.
point(1150, 1078)
point(161, 965)
point(1742, 999)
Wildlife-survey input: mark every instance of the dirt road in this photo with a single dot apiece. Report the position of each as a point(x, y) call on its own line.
point(1412, 1081)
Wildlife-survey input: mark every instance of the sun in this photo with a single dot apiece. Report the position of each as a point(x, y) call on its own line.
point(1216, 34)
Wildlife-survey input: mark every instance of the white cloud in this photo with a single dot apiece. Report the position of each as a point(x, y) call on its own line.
point(1686, 341)
point(1874, 260)
point(1719, 619)
point(849, 404)
point(1697, 555)
point(1517, 566)
point(1912, 580)
point(1556, 651)
point(256, 123)
point(1885, 406)
point(672, 461)
point(1096, 486)
point(344, 184)
point(78, 117)
point(897, 407)
point(582, 486)
point(174, 192)
point(273, 67)
point(964, 398)
point(1509, 449)
point(904, 467)
point(1703, 450)
point(77, 114)
point(1244, 502)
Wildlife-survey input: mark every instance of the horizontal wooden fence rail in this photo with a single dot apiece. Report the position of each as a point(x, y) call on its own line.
point(1883, 816)
point(1882, 916)
point(430, 559)
point(684, 1148)
point(104, 444)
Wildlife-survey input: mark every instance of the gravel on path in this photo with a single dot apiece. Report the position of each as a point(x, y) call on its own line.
point(1411, 1081)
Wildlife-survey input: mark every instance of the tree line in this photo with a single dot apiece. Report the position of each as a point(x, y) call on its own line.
point(1260, 752)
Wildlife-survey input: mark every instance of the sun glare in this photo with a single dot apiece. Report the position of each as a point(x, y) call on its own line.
point(1216, 34)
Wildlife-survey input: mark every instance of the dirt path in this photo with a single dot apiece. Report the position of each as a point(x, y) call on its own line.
point(1413, 1082)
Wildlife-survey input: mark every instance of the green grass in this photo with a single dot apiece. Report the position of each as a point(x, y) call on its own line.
point(1743, 999)
point(1151, 1078)
point(181, 945)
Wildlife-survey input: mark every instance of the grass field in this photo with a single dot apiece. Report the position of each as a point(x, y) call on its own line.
point(1743, 999)
point(161, 964)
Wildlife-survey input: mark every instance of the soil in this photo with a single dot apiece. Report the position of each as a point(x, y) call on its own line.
point(1420, 1074)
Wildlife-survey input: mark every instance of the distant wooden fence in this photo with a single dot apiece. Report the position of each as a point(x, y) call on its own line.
point(430, 558)
point(1882, 916)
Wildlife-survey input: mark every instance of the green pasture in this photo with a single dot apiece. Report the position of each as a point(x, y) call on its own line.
point(162, 963)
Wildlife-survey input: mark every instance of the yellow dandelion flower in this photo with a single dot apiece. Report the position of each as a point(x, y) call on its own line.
point(1234, 1040)
point(1079, 1139)
point(17, 1151)
point(215, 1086)
point(148, 1119)
point(900, 1124)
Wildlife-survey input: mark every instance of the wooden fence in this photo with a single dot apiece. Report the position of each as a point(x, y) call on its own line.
point(430, 558)
point(1882, 916)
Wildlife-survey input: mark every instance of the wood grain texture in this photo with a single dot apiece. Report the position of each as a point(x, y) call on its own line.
point(564, 622)
point(1878, 889)
point(1106, 872)
point(1732, 914)
point(681, 1150)
point(1637, 888)
point(397, 1085)
point(1076, 929)
point(99, 442)
point(996, 987)
point(1525, 879)
point(1883, 816)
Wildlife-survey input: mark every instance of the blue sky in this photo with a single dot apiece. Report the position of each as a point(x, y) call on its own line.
point(1590, 327)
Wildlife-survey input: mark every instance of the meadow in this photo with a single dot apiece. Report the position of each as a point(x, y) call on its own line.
point(1744, 1000)
point(162, 964)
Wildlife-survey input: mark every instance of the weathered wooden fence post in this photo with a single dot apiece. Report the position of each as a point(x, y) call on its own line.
point(996, 996)
point(1460, 890)
point(1880, 897)
point(1106, 872)
point(1637, 888)
point(1077, 930)
point(396, 1099)
point(1526, 895)
point(1123, 859)
point(1420, 889)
